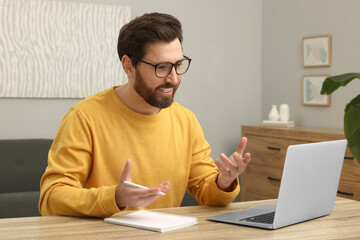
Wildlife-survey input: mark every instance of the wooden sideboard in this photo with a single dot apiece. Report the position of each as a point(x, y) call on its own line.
point(268, 145)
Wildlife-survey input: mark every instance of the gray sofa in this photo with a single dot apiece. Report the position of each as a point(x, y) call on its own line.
point(22, 163)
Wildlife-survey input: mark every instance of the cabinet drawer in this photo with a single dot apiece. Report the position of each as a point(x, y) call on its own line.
point(349, 189)
point(262, 181)
point(351, 168)
point(349, 186)
point(267, 151)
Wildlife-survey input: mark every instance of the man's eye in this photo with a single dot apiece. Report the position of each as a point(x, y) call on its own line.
point(162, 66)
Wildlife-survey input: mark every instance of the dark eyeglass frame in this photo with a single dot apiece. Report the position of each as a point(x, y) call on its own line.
point(172, 65)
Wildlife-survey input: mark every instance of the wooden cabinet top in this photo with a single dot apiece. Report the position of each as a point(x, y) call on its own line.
point(299, 133)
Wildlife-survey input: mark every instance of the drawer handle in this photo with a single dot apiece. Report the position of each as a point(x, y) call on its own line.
point(349, 158)
point(273, 148)
point(345, 193)
point(274, 179)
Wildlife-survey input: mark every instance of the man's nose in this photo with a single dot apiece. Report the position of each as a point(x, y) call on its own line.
point(172, 77)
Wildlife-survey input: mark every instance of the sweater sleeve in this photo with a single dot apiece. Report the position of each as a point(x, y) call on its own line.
point(203, 174)
point(69, 163)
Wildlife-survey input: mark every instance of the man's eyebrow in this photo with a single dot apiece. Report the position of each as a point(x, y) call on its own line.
point(183, 58)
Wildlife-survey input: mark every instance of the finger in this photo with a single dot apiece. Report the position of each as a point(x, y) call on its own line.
point(144, 193)
point(243, 162)
point(238, 160)
point(241, 146)
point(236, 166)
point(143, 202)
point(221, 167)
point(126, 171)
point(247, 158)
point(227, 161)
point(164, 187)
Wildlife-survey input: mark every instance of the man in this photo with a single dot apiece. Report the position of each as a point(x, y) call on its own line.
point(135, 132)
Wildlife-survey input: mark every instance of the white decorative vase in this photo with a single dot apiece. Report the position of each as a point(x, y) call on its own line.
point(274, 114)
point(284, 113)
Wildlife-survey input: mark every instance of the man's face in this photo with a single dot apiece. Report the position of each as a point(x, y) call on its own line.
point(158, 92)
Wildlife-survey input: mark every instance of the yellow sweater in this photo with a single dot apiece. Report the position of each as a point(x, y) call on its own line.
point(96, 137)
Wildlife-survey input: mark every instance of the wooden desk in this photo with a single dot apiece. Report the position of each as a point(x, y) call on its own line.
point(343, 223)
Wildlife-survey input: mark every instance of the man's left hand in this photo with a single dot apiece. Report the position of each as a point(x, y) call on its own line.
point(232, 166)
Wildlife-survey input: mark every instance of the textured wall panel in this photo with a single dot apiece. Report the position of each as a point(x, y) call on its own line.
point(54, 49)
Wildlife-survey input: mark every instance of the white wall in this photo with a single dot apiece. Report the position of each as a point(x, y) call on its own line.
point(285, 23)
point(223, 86)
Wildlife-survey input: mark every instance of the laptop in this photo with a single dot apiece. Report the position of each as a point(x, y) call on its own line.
point(308, 188)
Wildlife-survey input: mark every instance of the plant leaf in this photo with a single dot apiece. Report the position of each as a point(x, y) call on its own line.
point(354, 101)
point(352, 127)
point(334, 82)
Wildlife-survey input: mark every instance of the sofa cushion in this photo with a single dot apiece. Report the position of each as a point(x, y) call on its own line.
point(19, 204)
point(22, 163)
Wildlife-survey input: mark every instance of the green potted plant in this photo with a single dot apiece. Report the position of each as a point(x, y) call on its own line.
point(352, 110)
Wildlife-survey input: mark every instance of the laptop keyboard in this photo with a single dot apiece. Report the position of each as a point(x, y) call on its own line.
point(263, 218)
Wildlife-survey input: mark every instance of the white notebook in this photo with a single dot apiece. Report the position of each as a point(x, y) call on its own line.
point(154, 221)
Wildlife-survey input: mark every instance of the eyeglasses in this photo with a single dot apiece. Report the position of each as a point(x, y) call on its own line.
point(162, 70)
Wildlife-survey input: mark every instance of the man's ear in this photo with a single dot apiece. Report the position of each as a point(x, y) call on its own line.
point(128, 67)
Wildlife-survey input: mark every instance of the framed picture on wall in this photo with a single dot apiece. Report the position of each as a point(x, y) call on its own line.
point(316, 51)
point(311, 87)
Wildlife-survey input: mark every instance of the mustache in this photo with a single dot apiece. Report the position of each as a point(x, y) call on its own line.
point(167, 85)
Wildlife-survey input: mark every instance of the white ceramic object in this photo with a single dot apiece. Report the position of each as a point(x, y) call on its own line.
point(284, 112)
point(274, 114)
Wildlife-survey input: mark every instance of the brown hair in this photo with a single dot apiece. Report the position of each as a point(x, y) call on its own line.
point(148, 28)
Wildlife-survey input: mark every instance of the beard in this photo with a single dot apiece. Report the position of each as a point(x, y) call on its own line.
point(150, 95)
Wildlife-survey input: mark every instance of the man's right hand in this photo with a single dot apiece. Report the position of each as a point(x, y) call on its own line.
point(126, 196)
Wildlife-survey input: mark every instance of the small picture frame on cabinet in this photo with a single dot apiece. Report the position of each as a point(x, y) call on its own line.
point(316, 51)
point(311, 87)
